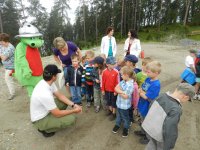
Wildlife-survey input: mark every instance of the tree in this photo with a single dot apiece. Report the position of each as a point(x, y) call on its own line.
point(61, 6)
point(10, 19)
point(122, 17)
point(39, 15)
point(186, 11)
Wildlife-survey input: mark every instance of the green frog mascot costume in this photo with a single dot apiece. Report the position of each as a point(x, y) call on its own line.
point(28, 64)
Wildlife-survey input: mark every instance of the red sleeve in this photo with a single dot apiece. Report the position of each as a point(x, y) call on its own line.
point(117, 78)
point(103, 81)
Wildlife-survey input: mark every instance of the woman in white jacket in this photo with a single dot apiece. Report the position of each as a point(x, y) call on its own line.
point(132, 44)
point(108, 43)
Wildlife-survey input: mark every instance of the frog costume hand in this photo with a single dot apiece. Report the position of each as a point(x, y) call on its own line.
point(28, 64)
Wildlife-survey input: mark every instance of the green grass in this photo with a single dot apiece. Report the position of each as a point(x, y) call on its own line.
point(194, 37)
point(166, 32)
point(152, 34)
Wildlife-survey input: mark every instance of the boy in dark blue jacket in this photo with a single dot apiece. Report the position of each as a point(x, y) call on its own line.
point(73, 79)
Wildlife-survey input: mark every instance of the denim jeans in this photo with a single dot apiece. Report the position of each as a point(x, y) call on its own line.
point(123, 115)
point(89, 93)
point(65, 72)
point(131, 113)
point(76, 93)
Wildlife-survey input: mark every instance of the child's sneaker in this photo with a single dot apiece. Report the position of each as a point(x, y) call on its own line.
point(144, 140)
point(125, 132)
point(196, 97)
point(79, 103)
point(140, 133)
point(115, 129)
point(11, 97)
point(88, 104)
point(97, 109)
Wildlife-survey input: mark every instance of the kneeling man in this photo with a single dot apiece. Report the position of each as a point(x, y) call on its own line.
point(48, 114)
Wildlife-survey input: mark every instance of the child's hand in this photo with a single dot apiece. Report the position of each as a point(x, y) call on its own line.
point(97, 81)
point(135, 112)
point(115, 94)
point(63, 65)
point(103, 92)
point(78, 109)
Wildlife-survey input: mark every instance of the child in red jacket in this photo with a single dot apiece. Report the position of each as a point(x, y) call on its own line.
point(110, 79)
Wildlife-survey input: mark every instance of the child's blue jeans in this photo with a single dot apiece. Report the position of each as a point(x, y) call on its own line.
point(75, 93)
point(89, 93)
point(123, 115)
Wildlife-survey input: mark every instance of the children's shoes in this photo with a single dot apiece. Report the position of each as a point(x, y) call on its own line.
point(97, 109)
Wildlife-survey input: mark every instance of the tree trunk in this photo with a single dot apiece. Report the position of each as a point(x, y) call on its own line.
point(1, 23)
point(139, 12)
point(160, 15)
point(122, 18)
point(135, 14)
point(96, 27)
point(84, 21)
point(186, 12)
point(125, 17)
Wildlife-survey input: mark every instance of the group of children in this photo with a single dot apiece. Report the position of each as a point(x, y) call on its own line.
point(191, 74)
point(119, 87)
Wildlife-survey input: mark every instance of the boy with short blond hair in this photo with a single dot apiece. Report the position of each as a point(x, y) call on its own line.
point(149, 92)
point(124, 89)
point(87, 75)
point(150, 88)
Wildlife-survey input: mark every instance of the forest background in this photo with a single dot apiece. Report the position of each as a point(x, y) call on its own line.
point(154, 20)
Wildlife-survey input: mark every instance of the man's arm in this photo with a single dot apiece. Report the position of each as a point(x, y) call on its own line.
point(170, 129)
point(60, 113)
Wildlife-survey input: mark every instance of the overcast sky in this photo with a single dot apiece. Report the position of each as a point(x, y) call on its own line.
point(71, 13)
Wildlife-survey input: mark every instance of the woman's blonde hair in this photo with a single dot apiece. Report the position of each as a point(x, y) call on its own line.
point(59, 42)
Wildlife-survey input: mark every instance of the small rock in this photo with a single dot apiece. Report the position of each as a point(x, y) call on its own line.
point(12, 134)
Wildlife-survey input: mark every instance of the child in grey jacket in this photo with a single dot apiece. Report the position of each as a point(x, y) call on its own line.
point(161, 122)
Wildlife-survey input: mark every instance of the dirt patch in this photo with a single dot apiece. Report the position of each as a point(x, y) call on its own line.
point(93, 131)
